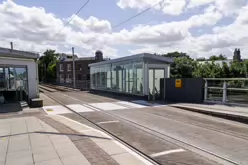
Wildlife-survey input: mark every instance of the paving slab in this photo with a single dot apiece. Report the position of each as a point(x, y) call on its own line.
point(77, 159)
point(19, 142)
point(33, 125)
point(2, 156)
point(18, 127)
point(111, 148)
point(21, 157)
point(127, 158)
point(108, 106)
point(50, 162)
point(65, 149)
point(39, 140)
point(44, 153)
point(62, 139)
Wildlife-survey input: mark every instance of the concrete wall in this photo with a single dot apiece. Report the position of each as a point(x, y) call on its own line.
point(191, 92)
point(33, 89)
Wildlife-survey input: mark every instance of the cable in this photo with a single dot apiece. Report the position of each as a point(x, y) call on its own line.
point(125, 21)
point(71, 19)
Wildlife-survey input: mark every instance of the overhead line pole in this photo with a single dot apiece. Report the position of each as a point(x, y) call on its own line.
point(73, 63)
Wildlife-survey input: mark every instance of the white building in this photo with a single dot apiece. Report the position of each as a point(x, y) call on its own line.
point(18, 74)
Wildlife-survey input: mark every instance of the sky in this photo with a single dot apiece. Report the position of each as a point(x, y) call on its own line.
point(200, 28)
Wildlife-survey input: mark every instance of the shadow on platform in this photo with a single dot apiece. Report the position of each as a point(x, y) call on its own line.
point(10, 107)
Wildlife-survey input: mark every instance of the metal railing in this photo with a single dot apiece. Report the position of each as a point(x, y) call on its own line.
point(226, 90)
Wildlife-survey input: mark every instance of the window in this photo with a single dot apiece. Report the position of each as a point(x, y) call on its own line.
point(69, 67)
point(61, 67)
point(69, 76)
point(1, 78)
point(79, 67)
point(79, 77)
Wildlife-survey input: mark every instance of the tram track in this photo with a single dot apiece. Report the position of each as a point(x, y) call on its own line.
point(183, 121)
point(199, 125)
point(170, 117)
point(159, 135)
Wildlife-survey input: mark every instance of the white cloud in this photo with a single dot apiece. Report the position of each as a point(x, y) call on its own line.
point(91, 24)
point(165, 34)
point(223, 39)
point(32, 28)
point(170, 7)
point(177, 7)
point(226, 7)
point(229, 6)
point(197, 3)
point(173, 7)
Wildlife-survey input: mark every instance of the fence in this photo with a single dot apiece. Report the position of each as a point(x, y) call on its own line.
point(226, 90)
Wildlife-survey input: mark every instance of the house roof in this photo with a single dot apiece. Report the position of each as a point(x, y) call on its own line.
point(4, 52)
point(136, 56)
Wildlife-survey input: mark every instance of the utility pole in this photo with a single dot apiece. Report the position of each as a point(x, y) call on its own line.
point(74, 77)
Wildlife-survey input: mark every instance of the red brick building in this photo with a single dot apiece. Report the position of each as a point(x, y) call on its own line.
point(82, 70)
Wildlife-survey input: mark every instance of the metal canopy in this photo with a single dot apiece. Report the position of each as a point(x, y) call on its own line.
point(145, 56)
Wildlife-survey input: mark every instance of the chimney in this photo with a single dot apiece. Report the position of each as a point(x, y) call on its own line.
point(11, 45)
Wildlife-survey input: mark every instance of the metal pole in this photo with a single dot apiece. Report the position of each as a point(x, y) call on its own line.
point(74, 79)
point(206, 90)
point(224, 97)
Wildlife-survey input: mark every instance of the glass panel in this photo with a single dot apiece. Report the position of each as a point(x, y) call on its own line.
point(12, 78)
point(120, 78)
point(126, 79)
point(97, 77)
point(138, 79)
point(123, 78)
point(103, 77)
point(114, 77)
point(130, 74)
point(151, 84)
point(92, 78)
point(2, 78)
point(128, 71)
point(159, 74)
point(21, 78)
point(6, 77)
point(108, 70)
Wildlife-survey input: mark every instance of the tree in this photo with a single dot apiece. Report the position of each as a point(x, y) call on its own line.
point(176, 55)
point(237, 69)
point(201, 59)
point(49, 58)
point(245, 63)
point(51, 71)
point(225, 71)
point(220, 57)
point(183, 67)
point(208, 70)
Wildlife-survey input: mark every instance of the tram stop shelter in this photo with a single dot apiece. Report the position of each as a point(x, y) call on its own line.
point(18, 75)
point(138, 75)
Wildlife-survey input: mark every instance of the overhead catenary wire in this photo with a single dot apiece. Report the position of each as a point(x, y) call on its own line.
point(67, 23)
point(125, 21)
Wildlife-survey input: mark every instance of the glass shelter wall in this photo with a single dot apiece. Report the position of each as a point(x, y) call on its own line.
point(124, 77)
point(13, 78)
